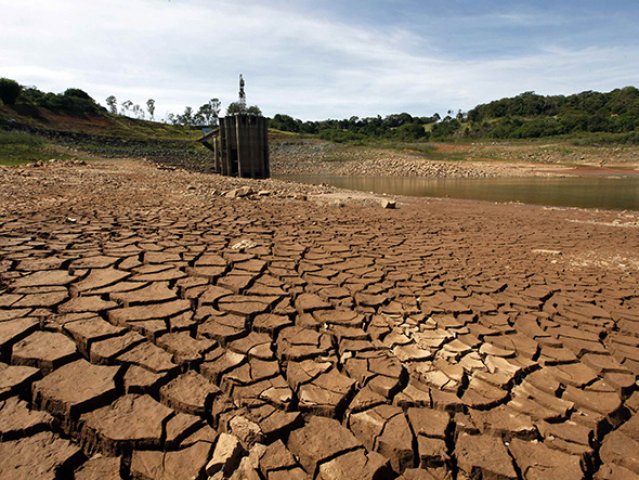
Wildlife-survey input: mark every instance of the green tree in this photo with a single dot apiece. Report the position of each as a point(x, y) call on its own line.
point(187, 117)
point(76, 92)
point(112, 103)
point(234, 108)
point(215, 105)
point(124, 108)
point(150, 107)
point(9, 91)
point(137, 111)
point(208, 114)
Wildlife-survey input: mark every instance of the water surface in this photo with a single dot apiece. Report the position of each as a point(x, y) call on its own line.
point(618, 192)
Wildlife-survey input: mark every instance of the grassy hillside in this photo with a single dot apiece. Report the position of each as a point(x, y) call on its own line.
point(39, 126)
point(53, 135)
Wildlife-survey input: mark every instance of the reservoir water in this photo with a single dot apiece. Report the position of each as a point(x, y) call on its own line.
point(616, 192)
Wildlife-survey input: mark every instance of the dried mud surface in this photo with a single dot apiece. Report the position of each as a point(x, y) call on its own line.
point(152, 328)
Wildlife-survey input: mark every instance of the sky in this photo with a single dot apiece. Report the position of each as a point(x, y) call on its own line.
point(318, 59)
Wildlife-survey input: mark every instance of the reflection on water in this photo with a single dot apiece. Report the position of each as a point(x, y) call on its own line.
point(589, 192)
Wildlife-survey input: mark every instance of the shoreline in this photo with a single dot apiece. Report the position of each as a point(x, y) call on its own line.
point(457, 161)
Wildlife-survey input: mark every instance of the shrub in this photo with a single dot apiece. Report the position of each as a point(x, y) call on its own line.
point(73, 101)
point(340, 136)
point(9, 91)
point(409, 132)
point(76, 92)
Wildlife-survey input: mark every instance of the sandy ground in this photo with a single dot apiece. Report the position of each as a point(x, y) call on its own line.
point(165, 324)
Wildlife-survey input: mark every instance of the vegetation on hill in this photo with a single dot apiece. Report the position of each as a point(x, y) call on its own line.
point(399, 127)
point(612, 117)
point(22, 147)
point(36, 125)
point(9, 91)
point(44, 121)
point(530, 115)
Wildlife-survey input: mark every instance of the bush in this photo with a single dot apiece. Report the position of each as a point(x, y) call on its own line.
point(447, 127)
point(341, 136)
point(31, 96)
point(9, 91)
point(76, 92)
point(409, 132)
point(70, 102)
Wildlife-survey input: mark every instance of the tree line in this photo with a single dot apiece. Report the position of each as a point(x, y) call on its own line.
point(529, 115)
point(77, 102)
point(402, 126)
point(613, 115)
point(73, 100)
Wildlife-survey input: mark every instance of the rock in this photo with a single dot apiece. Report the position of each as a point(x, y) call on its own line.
point(387, 203)
point(620, 448)
point(243, 245)
point(247, 431)
point(249, 465)
point(226, 455)
point(240, 192)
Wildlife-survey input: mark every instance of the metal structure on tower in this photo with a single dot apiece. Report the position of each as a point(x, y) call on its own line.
point(242, 99)
point(240, 143)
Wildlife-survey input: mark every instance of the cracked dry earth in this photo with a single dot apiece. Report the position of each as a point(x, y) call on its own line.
point(151, 330)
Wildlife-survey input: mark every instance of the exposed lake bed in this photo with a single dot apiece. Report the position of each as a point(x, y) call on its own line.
point(552, 175)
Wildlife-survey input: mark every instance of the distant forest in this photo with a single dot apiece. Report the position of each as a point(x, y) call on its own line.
point(530, 115)
point(402, 127)
point(613, 115)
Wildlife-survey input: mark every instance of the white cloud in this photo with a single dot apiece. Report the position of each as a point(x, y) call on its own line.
point(296, 61)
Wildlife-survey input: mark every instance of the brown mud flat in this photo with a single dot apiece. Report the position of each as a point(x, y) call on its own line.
point(152, 327)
